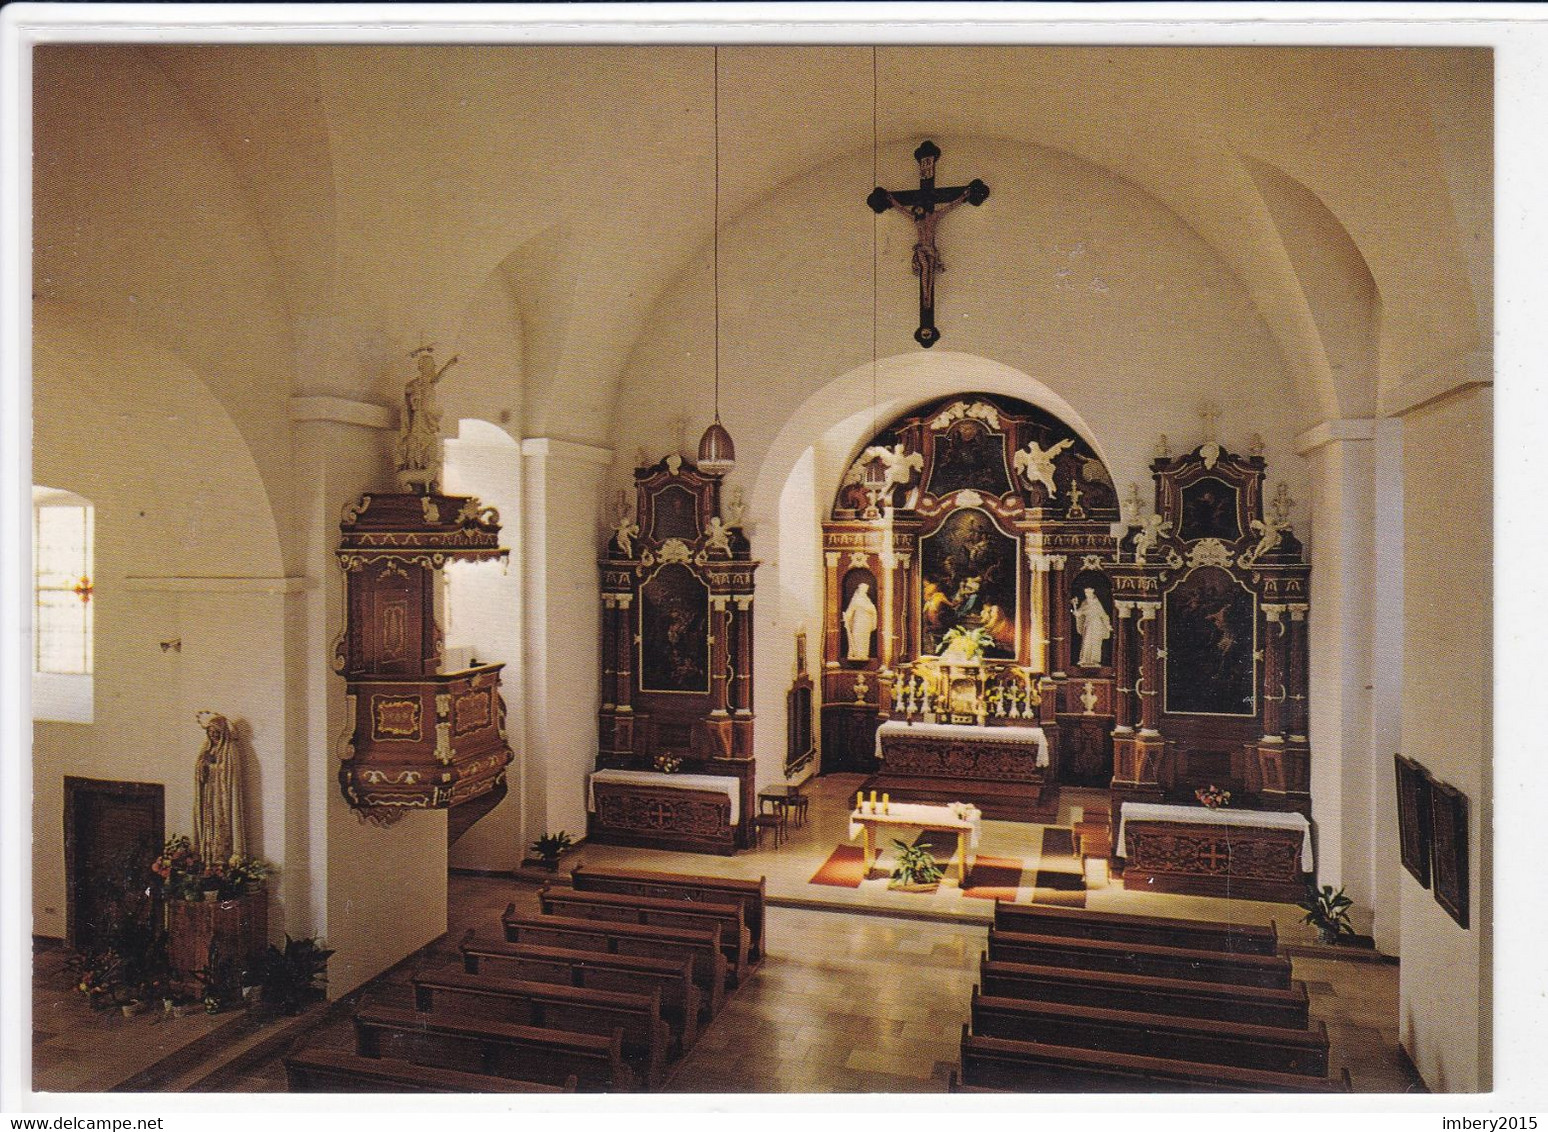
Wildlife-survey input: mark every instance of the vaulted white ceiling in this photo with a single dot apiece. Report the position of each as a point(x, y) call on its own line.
point(1346, 189)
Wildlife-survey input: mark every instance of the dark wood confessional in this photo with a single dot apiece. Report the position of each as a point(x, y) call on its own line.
point(422, 738)
point(677, 668)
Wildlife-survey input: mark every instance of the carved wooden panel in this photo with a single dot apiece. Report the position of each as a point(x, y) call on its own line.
point(1241, 861)
point(941, 757)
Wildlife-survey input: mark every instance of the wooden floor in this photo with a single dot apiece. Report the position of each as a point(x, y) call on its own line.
point(846, 1003)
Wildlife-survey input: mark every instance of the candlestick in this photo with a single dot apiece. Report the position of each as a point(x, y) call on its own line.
point(860, 799)
point(886, 804)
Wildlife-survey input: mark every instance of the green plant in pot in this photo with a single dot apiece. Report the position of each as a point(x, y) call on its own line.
point(293, 978)
point(1327, 911)
point(550, 847)
point(915, 869)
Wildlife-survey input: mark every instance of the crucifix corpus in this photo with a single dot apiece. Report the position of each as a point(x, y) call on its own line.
point(925, 206)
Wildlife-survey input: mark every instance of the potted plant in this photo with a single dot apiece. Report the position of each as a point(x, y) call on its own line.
point(293, 978)
point(549, 848)
point(1328, 912)
point(915, 869)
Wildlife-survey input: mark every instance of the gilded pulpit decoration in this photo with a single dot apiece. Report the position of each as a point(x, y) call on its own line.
point(420, 737)
point(926, 206)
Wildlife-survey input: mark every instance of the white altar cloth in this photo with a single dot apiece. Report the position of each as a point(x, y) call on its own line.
point(1009, 734)
point(918, 815)
point(723, 784)
point(1200, 815)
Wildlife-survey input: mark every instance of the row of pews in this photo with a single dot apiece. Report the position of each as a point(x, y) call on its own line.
point(603, 989)
point(1071, 1000)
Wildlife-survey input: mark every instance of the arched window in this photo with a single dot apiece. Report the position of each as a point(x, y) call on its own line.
point(62, 592)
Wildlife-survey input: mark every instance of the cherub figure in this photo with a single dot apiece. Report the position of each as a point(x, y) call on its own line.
point(1151, 532)
point(717, 536)
point(1036, 464)
point(1269, 533)
point(900, 464)
point(625, 531)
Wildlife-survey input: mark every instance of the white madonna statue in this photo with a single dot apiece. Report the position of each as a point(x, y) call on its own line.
point(860, 622)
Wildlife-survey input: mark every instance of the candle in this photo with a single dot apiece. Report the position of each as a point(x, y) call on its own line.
point(873, 801)
point(886, 804)
point(859, 799)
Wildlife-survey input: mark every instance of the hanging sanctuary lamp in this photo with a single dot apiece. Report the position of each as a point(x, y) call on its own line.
point(717, 454)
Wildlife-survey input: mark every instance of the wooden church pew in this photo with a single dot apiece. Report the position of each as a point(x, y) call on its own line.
point(554, 900)
point(700, 945)
point(647, 1039)
point(1263, 1006)
point(1277, 1049)
point(1036, 1067)
point(750, 894)
point(341, 1071)
point(499, 1049)
point(1201, 935)
point(1140, 959)
point(682, 1005)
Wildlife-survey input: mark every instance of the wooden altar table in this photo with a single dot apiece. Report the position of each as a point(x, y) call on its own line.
point(691, 812)
point(1000, 769)
point(903, 815)
point(1250, 854)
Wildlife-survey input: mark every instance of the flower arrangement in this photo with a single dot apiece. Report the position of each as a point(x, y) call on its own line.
point(99, 977)
point(1212, 797)
point(242, 874)
point(179, 869)
point(182, 876)
point(668, 764)
point(965, 645)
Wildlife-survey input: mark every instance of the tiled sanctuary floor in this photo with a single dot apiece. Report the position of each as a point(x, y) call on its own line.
point(869, 1003)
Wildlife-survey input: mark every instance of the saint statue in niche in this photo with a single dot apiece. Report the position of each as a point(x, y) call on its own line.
point(860, 623)
point(218, 833)
point(1094, 627)
point(417, 455)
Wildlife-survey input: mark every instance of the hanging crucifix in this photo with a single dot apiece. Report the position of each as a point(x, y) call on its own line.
point(925, 206)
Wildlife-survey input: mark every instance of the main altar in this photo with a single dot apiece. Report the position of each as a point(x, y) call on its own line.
point(995, 625)
point(966, 652)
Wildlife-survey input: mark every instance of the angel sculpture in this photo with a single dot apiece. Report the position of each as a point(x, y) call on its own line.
point(1269, 533)
point(625, 531)
point(717, 536)
point(1036, 464)
point(1151, 531)
point(900, 465)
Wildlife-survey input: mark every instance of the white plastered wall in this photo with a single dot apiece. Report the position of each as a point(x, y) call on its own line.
point(1106, 310)
point(186, 555)
point(1446, 985)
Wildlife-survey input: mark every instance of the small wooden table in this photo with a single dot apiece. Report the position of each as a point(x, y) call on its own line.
point(907, 815)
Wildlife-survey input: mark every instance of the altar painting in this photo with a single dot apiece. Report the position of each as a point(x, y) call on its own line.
point(968, 582)
point(1211, 636)
point(674, 632)
point(969, 455)
point(1209, 510)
